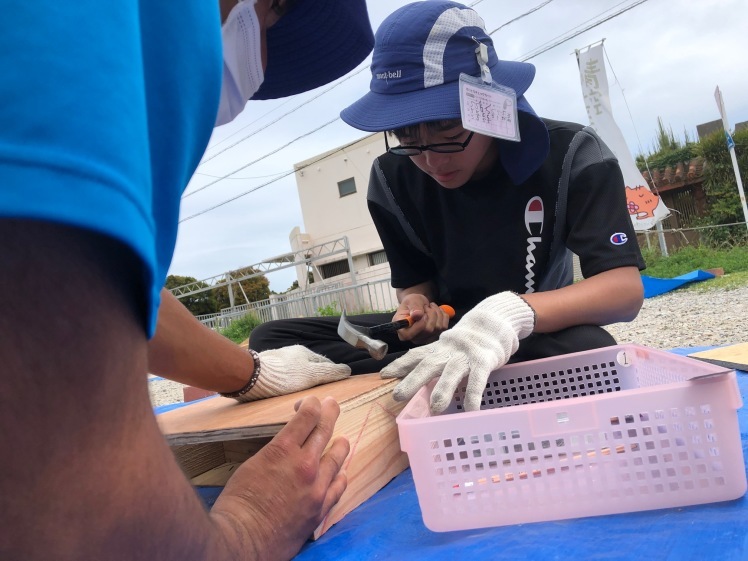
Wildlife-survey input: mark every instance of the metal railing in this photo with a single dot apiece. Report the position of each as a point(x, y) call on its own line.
point(329, 299)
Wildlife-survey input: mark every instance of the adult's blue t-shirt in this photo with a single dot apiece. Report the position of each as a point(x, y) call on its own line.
point(105, 111)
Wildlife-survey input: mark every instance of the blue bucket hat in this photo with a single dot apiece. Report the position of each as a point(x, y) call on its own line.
point(316, 42)
point(419, 52)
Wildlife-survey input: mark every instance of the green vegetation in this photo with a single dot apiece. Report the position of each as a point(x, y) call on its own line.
point(255, 288)
point(723, 200)
point(214, 300)
point(331, 310)
point(728, 282)
point(734, 261)
point(668, 150)
point(198, 304)
point(239, 329)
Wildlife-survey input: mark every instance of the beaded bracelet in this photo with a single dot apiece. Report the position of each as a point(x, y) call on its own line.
point(252, 379)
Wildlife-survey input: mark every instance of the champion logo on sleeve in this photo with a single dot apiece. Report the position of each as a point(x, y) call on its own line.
point(619, 238)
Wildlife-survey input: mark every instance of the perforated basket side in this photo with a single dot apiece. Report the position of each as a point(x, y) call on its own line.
point(595, 372)
point(653, 447)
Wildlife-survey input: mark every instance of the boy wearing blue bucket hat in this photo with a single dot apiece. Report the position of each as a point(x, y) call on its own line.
point(479, 204)
point(491, 216)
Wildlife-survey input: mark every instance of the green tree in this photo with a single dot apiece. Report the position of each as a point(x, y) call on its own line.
point(256, 288)
point(200, 303)
point(721, 188)
point(295, 284)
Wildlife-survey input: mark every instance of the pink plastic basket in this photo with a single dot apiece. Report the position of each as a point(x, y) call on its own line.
point(618, 429)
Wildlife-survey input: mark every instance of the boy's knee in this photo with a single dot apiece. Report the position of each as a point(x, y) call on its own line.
point(260, 336)
point(592, 337)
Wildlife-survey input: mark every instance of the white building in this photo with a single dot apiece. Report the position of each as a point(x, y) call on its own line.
point(332, 192)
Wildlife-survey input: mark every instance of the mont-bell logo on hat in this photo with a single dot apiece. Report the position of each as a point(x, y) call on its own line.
point(389, 75)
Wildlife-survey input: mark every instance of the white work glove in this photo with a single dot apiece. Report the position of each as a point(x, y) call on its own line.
point(292, 369)
point(482, 341)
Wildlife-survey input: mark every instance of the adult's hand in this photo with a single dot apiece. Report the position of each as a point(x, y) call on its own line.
point(275, 500)
point(482, 341)
point(293, 369)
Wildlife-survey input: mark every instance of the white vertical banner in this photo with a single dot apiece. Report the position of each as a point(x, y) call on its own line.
point(731, 149)
point(645, 207)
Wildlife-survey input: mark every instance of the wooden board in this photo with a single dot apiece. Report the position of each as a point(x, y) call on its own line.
point(367, 419)
point(221, 418)
point(731, 356)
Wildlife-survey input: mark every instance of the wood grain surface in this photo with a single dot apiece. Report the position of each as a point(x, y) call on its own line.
point(731, 356)
point(211, 438)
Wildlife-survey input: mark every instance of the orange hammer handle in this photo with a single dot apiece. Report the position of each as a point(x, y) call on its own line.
point(449, 310)
point(405, 322)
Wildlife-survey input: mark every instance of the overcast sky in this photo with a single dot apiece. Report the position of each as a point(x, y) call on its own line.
point(667, 56)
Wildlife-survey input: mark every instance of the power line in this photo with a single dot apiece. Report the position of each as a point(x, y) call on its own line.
point(244, 177)
point(222, 203)
point(535, 9)
point(533, 54)
point(260, 118)
point(575, 28)
point(308, 101)
point(221, 178)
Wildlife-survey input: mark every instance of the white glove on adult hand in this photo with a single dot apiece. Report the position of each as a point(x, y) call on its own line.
point(482, 341)
point(292, 369)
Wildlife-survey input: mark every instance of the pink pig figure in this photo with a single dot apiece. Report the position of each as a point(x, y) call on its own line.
point(641, 201)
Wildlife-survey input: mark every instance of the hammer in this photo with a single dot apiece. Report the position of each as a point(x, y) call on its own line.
point(364, 337)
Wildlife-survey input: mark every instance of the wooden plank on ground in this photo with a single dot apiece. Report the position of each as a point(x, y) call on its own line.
point(367, 420)
point(375, 456)
point(221, 418)
point(199, 458)
point(216, 477)
point(731, 356)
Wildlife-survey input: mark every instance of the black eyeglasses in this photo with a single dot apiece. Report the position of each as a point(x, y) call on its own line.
point(442, 148)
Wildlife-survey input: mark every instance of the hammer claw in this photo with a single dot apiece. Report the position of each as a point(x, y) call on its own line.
point(354, 336)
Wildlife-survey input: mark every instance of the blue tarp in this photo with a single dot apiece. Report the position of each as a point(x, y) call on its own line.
point(654, 286)
point(170, 406)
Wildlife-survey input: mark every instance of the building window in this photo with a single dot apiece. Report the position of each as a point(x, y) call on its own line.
point(347, 187)
point(334, 269)
point(377, 258)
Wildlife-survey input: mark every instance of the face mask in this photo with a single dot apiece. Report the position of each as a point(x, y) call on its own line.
point(242, 60)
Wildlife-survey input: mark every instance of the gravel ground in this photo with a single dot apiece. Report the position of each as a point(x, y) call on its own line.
point(688, 319)
point(164, 392)
point(675, 319)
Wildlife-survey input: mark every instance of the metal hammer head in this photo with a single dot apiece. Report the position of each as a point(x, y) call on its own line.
point(356, 337)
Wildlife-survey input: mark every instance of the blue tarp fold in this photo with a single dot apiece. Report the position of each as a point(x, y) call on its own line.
point(654, 286)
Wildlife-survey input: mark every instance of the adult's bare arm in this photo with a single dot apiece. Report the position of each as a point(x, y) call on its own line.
point(87, 474)
point(609, 297)
point(186, 351)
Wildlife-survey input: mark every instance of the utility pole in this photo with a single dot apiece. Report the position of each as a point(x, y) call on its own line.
point(731, 149)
